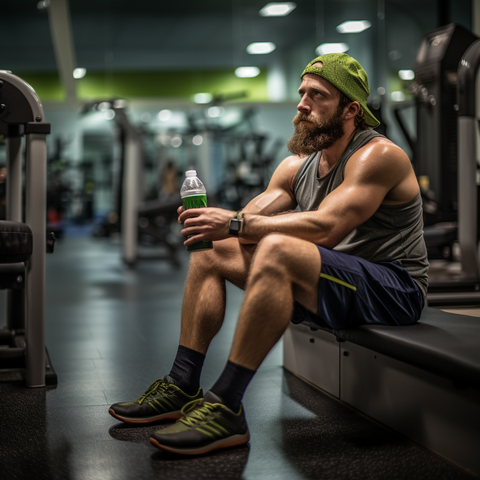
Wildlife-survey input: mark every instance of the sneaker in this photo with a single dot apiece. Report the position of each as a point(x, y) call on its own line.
point(163, 400)
point(207, 425)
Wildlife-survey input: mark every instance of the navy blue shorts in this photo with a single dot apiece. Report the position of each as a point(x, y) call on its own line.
point(353, 292)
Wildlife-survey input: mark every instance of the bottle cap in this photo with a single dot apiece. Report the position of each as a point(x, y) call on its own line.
point(191, 173)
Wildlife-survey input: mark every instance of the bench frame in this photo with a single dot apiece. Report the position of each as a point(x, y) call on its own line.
point(422, 406)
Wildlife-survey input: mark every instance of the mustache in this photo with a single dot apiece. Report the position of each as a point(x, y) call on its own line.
point(301, 117)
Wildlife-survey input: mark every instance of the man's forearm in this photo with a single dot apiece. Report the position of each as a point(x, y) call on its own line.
point(305, 225)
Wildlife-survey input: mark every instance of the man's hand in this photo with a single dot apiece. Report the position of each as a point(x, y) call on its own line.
point(202, 224)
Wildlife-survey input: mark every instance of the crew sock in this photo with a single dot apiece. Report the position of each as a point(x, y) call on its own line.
point(186, 369)
point(232, 383)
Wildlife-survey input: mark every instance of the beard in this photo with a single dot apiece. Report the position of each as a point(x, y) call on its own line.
point(316, 134)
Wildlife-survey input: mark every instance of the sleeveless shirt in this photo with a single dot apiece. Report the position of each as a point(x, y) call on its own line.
point(394, 233)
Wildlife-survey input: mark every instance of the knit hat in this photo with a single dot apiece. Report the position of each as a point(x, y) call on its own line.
point(346, 74)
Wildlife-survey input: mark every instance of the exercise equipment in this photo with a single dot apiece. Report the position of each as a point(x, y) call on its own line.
point(445, 157)
point(435, 90)
point(23, 245)
point(133, 216)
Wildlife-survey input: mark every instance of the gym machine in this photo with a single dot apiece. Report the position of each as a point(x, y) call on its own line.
point(466, 289)
point(445, 158)
point(434, 150)
point(134, 216)
point(23, 246)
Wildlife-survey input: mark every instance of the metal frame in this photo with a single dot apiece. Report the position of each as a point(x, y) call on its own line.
point(21, 114)
point(467, 165)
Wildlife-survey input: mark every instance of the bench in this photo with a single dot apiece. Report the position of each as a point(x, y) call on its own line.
point(422, 380)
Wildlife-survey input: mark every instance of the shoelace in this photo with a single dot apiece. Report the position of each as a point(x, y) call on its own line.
point(153, 389)
point(197, 415)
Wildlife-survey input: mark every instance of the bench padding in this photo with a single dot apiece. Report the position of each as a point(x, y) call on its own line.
point(16, 242)
point(443, 343)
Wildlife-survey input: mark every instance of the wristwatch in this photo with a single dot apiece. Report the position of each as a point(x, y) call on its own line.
point(236, 224)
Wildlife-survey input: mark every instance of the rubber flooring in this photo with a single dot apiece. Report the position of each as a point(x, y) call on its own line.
point(111, 331)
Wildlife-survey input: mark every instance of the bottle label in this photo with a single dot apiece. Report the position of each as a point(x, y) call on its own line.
point(194, 201)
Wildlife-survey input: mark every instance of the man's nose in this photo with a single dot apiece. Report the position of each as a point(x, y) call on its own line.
point(303, 105)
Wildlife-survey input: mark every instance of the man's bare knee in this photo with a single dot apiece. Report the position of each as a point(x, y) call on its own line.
point(227, 259)
point(272, 251)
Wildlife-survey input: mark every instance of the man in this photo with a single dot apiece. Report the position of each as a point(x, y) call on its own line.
point(353, 255)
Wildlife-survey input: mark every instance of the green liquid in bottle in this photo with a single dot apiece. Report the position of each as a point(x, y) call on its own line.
point(197, 201)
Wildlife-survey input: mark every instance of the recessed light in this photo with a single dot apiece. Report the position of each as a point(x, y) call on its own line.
point(277, 9)
point(79, 72)
point(202, 98)
point(331, 48)
point(397, 96)
point(406, 74)
point(261, 48)
point(356, 26)
point(247, 72)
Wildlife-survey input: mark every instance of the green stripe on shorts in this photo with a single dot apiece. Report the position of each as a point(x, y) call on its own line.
point(337, 280)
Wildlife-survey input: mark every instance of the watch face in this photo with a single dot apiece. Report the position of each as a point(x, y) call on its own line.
point(235, 226)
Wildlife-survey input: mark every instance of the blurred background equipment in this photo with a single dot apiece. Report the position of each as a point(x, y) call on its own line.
point(24, 245)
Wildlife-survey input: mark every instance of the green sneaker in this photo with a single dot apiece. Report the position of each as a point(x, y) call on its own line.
point(163, 400)
point(207, 425)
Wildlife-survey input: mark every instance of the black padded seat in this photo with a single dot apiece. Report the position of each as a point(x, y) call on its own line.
point(443, 343)
point(438, 236)
point(159, 207)
point(16, 242)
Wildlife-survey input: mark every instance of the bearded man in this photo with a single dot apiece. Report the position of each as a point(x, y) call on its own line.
point(354, 254)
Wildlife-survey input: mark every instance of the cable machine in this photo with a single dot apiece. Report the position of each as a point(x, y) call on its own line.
point(23, 252)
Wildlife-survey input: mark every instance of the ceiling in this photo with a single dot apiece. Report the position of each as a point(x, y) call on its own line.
point(164, 35)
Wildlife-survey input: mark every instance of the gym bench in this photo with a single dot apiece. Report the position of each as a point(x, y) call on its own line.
point(423, 380)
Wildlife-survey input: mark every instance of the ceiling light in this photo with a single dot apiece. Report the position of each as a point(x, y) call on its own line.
point(79, 72)
point(277, 9)
point(164, 115)
point(331, 48)
point(247, 72)
point(202, 98)
point(397, 96)
point(406, 74)
point(353, 26)
point(261, 48)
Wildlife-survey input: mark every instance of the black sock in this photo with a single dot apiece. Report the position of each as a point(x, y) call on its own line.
point(186, 369)
point(232, 383)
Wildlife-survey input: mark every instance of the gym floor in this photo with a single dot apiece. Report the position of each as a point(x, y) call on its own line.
point(111, 332)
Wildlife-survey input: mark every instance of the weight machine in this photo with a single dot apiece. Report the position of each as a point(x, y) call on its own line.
point(22, 253)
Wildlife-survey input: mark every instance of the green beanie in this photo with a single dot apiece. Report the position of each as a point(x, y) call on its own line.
point(346, 74)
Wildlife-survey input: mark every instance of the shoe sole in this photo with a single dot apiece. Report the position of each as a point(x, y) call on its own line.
point(145, 421)
point(233, 441)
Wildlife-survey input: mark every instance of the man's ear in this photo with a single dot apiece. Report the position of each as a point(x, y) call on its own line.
point(351, 110)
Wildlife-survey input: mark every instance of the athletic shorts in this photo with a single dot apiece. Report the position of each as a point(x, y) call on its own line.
point(353, 292)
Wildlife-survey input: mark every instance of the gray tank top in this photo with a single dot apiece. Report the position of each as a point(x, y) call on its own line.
point(394, 233)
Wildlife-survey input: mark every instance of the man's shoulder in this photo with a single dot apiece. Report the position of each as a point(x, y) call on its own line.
point(381, 150)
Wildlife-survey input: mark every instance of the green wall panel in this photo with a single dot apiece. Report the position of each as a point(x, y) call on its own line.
point(172, 84)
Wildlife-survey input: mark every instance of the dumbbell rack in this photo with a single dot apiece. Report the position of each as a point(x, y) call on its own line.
point(22, 116)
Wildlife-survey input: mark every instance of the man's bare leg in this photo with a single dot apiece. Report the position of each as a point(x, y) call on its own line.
point(284, 269)
point(204, 298)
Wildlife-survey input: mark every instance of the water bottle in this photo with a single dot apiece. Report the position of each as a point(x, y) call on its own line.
point(194, 195)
